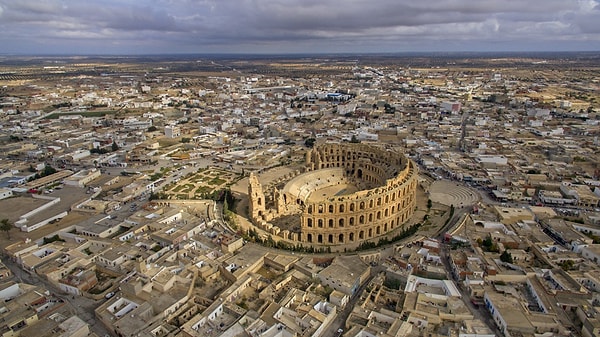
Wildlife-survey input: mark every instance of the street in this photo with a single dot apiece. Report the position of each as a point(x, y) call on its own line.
point(76, 305)
point(340, 319)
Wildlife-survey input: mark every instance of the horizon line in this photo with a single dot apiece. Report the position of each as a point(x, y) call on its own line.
point(304, 53)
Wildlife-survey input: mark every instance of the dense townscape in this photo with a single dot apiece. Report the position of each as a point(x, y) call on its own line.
point(180, 196)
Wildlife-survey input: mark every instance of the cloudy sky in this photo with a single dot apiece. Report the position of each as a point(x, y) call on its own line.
point(295, 26)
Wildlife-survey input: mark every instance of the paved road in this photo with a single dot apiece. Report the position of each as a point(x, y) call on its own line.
point(341, 317)
point(76, 305)
point(479, 312)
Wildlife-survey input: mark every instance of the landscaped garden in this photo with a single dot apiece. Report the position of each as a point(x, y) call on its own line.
point(201, 184)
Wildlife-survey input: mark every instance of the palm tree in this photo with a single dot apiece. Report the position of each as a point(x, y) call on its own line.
point(6, 226)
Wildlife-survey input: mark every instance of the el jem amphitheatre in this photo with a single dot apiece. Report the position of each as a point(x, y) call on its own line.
point(343, 195)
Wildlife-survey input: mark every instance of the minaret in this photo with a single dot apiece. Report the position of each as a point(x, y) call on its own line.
point(256, 197)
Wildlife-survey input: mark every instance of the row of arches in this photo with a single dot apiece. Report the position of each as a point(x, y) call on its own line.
point(336, 153)
point(363, 205)
point(362, 219)
point(347, 237)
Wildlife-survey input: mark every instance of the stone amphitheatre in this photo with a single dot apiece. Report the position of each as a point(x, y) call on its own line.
point(346, 194)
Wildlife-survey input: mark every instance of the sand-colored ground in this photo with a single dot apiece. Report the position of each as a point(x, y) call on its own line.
point(16, 235)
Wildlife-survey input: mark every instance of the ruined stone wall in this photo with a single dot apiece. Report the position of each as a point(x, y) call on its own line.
point(386, 200)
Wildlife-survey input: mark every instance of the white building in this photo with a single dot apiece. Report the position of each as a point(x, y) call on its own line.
point(172, 131)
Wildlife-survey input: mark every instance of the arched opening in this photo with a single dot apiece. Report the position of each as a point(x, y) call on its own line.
point(359, 173)
point(351, 237)
point(378, 230)
point(341, 208)
point(370, 217)
point(341, 238)
point(361, 235)
point(351, 221)
point(309, 222)
point(341, 223)
point(361, 219)
point(320, 238)
point(330, 238)
point(378, 215)
point(370, 232)
point(259, 202)
point(330, 208)
point(320, 223)
point(362, 205)
point(351, 207)
point(385, 213)
point(330, 223)
point(309, 237)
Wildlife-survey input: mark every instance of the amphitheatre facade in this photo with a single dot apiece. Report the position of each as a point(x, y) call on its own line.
point(348, 194)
